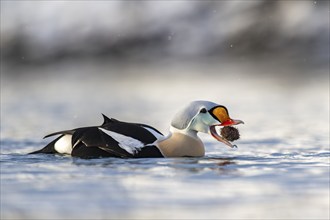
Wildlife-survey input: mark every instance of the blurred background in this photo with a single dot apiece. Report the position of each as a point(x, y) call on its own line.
point(77, 59)
point(63, 63)
point(78, 53)
point(40, 32)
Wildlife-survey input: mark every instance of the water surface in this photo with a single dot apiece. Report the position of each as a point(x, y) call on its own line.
point(280, 169)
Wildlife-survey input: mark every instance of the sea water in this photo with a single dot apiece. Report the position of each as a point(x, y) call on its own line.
point(280, 169)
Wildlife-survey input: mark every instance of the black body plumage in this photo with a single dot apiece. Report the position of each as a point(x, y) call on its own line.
point(96, 142)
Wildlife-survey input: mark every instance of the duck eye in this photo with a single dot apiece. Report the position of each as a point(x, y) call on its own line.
point(203, 110)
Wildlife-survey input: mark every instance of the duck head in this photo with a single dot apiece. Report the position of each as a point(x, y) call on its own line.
point(204, 116)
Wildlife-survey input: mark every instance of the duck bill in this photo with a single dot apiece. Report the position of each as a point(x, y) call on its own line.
point(231, 122)
point(228, 122)
point(219, 138)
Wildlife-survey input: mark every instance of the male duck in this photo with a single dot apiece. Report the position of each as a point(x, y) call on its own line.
point(131, 140)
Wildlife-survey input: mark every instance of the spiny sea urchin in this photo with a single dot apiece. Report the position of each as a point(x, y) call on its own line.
point(230, 133)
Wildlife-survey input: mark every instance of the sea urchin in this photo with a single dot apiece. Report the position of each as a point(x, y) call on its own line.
point(230, 133)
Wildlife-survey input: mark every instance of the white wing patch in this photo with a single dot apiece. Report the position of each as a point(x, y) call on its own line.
point(154, 133)
point(129, 144)
point(63, 145)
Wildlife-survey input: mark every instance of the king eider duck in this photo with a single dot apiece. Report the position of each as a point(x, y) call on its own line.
point(133, 140)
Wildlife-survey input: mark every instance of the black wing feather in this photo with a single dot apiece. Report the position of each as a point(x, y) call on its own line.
point(61, 132)
point(133, 130)
point(91, 142)
point(49, 148)
point(94, 137)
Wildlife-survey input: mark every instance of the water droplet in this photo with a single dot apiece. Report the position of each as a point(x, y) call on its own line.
point(231, 46)
point(169, 37)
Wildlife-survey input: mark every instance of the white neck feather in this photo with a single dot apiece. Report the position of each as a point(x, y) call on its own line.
point(190, 133)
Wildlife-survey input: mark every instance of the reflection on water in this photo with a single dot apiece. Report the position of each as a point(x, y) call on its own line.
point(184, 166)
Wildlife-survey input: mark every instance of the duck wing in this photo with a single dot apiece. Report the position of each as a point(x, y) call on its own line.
point(111, 139)
point(92, 142)
point(117, 139)
point(141, 132)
